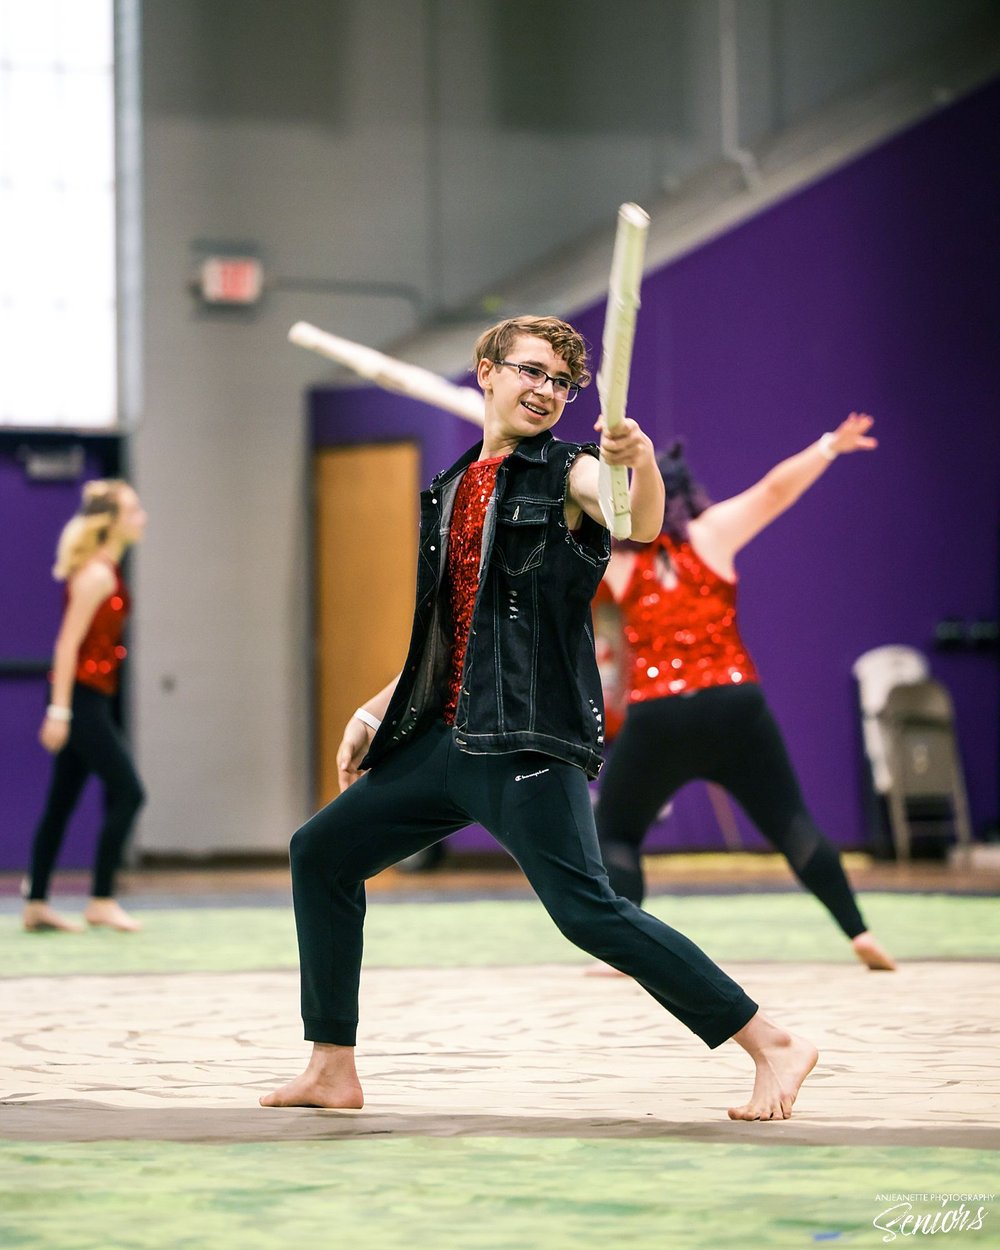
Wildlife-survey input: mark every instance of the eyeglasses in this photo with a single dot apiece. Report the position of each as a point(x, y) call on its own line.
point(531, 373)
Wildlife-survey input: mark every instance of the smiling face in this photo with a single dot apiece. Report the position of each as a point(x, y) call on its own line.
point(516, 407)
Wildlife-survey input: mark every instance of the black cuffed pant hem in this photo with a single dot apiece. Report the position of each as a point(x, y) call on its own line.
point(723, 1029)
point(330, 1032)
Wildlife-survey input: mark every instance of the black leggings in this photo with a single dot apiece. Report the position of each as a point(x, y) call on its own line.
point(727, 735)
point(538, 808)
point(96, 746)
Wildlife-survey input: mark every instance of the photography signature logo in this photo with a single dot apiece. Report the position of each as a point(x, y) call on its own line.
point(910, 1215)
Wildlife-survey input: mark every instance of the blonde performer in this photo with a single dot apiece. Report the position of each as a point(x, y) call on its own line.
point(79, 727)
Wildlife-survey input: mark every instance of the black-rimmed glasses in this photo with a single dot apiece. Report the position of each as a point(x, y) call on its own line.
point(531, 373)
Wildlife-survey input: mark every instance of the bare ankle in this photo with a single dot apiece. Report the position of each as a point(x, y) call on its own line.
point(760, 1034)
point(327, 1057)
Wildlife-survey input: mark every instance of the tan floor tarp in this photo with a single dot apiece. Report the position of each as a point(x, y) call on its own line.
point(906, 1059)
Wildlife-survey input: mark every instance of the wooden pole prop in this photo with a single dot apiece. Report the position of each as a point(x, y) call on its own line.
point(391, 374)
point(616, 356)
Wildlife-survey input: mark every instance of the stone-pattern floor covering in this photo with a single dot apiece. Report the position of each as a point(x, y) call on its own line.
point(906, 1059)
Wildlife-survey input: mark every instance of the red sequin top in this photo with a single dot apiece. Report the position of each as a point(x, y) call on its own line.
point(682, 637)
point(465, 543)
point(101, 651)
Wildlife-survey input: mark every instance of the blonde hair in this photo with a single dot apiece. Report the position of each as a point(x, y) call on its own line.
point(566, 342)
point(87, 531)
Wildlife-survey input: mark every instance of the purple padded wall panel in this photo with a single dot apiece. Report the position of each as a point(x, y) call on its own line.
point(874, 289)
point(31, 517)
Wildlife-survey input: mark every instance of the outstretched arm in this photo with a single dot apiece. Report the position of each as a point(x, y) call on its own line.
point(625, 444)
point(725, 527)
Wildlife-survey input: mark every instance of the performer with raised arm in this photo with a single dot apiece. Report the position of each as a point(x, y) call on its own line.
point(695, 709)
point(496, 718)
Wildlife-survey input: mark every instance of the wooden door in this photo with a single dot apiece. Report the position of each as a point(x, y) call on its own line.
point(365, 543)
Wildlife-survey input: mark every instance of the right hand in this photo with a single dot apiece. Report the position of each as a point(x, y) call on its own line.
point(852, 434)
point(53, 734)
point(352, 750)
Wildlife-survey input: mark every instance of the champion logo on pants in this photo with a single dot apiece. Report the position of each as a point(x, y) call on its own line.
point(528, 776)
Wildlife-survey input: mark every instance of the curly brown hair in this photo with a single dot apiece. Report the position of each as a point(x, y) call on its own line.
point(495, 343)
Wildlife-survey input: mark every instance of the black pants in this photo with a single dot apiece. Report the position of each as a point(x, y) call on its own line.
point(727, 735)
point(539, 809)
point(95, 745)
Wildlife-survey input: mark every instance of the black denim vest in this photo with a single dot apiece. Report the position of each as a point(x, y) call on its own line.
point(530, 681)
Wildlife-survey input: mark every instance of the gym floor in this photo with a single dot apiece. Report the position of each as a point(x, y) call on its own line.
point(512, 1099)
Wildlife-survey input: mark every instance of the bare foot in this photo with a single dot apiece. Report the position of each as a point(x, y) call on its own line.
point(600, 969)
point(330, 1080)
point(38, 917)
point(105, 913)
point(782, 1061)
point(870, 953)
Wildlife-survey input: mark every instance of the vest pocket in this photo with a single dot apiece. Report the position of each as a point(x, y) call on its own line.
point(519, 542)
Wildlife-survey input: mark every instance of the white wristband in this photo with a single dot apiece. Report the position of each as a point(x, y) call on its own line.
point(826, 447)
point(58, 713)
point(366, 718)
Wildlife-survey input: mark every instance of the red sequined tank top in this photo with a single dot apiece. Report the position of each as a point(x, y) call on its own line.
point(101, 651)
point(465, 541)
point(681, 630)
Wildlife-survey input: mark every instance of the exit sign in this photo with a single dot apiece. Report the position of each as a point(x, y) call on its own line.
point(231, 280)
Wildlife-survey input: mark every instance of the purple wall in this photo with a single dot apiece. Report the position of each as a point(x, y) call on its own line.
point(32, 515)
point(874, 289)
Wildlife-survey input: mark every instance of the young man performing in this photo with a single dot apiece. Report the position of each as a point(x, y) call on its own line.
point(496, 718)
